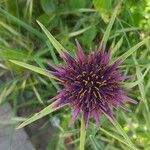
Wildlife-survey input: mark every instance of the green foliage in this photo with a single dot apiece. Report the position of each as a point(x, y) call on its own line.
point(25, 50)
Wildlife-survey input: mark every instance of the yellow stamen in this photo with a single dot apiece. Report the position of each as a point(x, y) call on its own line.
point(77, 81)
point(93, 75)
point(81, 91)
point(95, 95)
point(79, 76)
point(91, 72)
point(96, 88)
point(89, 90)
point(100, 83)
point(83, 73)
point(85, 82)
point(99, 95)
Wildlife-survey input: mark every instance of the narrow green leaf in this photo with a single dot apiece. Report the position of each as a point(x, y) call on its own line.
point(47, 110)
point(54, 57)
point(22, 23)
point(12, 121)
point(54, 42)
point(122, 132)
point(38, 61)
point(82, 134)
point(2, 95)
point(118, 45)
point(34, 68)
point(133, 49)
point(6, 91)
point(115, 137)
point(109, 27)
point(9, 28)
point(12, 53)
point(133, 84)
point(37, 94)
point(94, 143)
point(72, 34)
point(142, 91)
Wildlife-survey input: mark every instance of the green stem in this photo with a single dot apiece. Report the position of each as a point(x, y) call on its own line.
point(82, 134)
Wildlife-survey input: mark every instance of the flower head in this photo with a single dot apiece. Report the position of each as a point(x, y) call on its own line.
point(90, 84)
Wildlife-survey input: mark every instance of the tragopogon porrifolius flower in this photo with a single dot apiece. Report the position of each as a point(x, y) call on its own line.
point(91, 84)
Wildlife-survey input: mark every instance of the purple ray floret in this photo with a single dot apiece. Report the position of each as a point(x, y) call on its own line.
point(91, 84)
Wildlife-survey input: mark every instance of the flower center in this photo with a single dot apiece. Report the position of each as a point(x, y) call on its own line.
point(91, 84)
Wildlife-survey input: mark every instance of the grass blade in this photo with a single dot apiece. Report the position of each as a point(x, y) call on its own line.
point(6, 91)
point(94, 143)
point(82, 134)
point(54, 42)
point(34, 68)
point(115, 137)
point(72, 34)
point(22, 23)
point(118, 45)
point(142, 91)
point(12, 121)
point(38, 61)
point(47, 110)
point(133, 49)
point(133, 84)
point(37, 94)
point(109, 27)
point(121, 131)
point(54, 57)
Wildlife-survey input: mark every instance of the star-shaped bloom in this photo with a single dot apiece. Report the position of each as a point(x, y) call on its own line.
point(91, 84)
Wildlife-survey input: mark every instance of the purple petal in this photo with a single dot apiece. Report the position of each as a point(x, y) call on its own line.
point(75, 113)
point(96, 116)
point(125, 108)
point(107, 57)
point(128, 99)
point(60, 70)
point(86, 115)
point(68, 59)
point(80, 54)
point(60, 102)
point(61, 94)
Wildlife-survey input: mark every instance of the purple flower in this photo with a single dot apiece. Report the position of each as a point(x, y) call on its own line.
point(91, 84)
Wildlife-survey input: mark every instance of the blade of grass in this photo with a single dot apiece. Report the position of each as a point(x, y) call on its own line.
point(47, 110)
point(37, 94)
point(12, 121)
point(6, 91)
point(94, 143)
point(12, 53)
point(34, 68)
point(2, 95)
point(122, 132)
point(117, 45)
point(8, 28)
point(54, 57)
point(140, 79)
point(115, 137)
point(38, 61)
point(54, 42)
point(82, 134)
point(142, 91)
point(72, 34)
point(22, 23)
point(109, 27)
point(133, 49)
